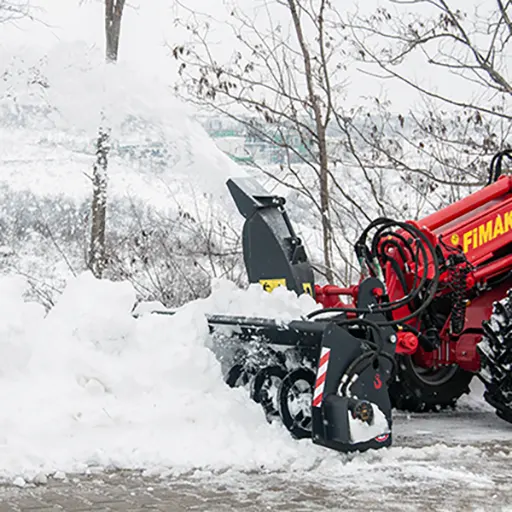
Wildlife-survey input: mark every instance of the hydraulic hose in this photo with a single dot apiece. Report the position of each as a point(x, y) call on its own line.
point(424, 254)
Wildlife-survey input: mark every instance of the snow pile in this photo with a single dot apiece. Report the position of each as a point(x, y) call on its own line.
point(228, 299)
point(89, 385)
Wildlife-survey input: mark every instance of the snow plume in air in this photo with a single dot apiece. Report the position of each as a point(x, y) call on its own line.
point(166, 177)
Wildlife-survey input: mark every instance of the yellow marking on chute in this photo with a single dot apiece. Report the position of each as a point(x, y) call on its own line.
point(308, 288)
point(271, 284)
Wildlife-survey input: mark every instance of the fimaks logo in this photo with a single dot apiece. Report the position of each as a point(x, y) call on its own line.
point(485, 232)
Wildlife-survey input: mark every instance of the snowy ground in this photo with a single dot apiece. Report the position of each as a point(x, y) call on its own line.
point(90, 390)
point(449, 461)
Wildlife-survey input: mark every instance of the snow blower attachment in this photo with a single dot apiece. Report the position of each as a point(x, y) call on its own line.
point(323, 378)
point(432, 309)
point(411, 334)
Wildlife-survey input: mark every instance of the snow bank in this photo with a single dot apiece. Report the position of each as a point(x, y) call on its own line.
point(19, 323)
point(89, 385)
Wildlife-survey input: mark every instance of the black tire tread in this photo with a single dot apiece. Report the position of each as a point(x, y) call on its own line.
point(495, 351)
point(409, 393)
point(295, 375)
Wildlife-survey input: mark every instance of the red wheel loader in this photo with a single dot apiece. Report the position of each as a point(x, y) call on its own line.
point(431, 310)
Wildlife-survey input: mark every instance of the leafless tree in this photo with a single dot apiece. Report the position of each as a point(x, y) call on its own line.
point(97, 254)
point(468, 51)
point(283, 74)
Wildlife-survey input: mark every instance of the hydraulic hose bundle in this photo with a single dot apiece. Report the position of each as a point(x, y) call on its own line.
point(417, 249)
point(496, 166)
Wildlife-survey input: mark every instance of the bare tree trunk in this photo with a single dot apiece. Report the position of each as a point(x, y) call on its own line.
point(325, 204)
point(97, 259)
point(113, 16)
point(321, 141)
point(97, 253)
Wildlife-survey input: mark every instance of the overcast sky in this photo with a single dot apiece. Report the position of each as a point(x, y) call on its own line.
point(149, 24)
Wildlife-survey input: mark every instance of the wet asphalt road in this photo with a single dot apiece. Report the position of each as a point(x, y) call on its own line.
point(467, 466)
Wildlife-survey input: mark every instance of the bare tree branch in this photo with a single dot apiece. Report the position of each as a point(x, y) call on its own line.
point(13, 10)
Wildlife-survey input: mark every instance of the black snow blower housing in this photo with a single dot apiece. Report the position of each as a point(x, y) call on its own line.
point(273, 253)
point(326, 376)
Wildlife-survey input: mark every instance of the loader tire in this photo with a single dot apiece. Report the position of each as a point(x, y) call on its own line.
point(418, 389)
point(495, 351)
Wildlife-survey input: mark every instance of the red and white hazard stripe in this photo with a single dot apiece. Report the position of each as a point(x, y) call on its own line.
point(320, 376)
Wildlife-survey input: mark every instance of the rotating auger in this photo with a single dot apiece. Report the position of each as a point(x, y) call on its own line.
point(282, 382)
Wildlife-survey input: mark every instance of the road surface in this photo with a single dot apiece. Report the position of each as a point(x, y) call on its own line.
point(453, 460)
